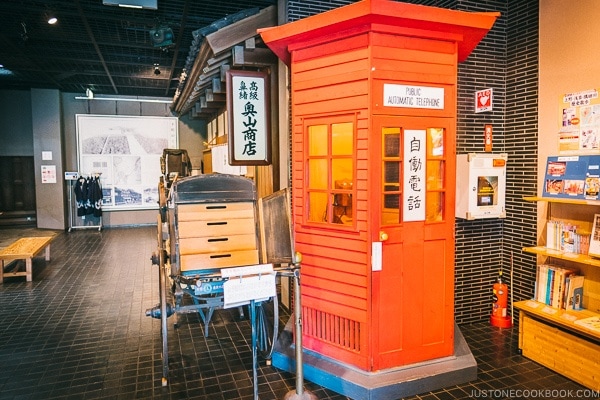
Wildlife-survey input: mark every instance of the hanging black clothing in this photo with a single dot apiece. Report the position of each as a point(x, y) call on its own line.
point(88, 196)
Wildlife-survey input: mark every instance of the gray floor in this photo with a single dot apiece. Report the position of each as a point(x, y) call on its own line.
point(79, 331)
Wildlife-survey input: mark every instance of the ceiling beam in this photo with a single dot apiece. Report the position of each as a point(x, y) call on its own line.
point(93, 39)
point(184, 17)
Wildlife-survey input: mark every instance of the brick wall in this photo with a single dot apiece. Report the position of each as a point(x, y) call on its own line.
point(507, 61)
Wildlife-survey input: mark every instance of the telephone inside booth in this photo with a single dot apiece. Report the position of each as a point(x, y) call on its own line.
point(342, 202)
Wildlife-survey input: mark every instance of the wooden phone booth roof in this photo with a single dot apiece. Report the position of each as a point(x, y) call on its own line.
point(465, 28)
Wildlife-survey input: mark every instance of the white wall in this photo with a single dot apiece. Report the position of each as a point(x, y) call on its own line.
point(569, 52)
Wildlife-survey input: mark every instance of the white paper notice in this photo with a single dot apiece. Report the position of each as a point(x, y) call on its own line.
point(48, 173)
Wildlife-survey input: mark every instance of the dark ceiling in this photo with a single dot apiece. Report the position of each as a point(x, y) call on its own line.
point(105, 48)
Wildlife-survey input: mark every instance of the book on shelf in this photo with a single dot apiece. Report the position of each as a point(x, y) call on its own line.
point(564, 236)
point(552, 285)
point(574, 296)
point(594, 249)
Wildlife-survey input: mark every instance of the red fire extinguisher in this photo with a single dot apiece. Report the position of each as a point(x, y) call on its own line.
point(500, 304)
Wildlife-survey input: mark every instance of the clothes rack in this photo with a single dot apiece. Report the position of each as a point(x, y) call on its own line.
point(86, 211)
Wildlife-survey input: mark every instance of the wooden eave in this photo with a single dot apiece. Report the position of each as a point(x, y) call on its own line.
point(467, 29)
point(215, 54)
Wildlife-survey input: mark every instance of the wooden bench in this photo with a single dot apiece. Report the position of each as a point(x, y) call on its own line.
point(24, 249)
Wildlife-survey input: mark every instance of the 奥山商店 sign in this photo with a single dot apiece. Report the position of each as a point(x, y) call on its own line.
point(249, 128)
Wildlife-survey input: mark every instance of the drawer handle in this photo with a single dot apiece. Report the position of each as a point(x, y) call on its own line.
point(215, 207)
point(217, 223)
point(218, 240)
point(220, 256)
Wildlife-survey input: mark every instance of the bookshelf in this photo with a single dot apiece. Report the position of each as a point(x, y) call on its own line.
point(578, 258)
point(552, 336)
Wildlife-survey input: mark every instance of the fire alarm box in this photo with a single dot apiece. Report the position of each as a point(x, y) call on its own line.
point(480, 185)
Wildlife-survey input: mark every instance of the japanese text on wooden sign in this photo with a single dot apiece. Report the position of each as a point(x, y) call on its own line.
point(413, 207)
point(248, 104)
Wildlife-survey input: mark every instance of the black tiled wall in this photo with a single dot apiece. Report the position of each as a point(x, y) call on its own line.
point(507, 61)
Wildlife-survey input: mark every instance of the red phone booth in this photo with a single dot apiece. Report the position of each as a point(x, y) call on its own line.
point(373, 91)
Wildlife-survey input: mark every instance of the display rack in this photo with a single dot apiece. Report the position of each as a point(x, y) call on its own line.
point(553, 336)
point(72, 178)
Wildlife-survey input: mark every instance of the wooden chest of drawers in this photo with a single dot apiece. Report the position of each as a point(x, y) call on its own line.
point(216, 235)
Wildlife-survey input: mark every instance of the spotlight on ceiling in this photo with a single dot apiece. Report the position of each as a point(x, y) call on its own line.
point(156, 69)
point(52, 20)
point(161, 36)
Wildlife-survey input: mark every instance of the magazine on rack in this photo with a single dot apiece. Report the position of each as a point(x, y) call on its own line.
point(594, 250)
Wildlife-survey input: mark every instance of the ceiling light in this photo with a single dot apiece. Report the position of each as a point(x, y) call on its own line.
point(156, 69)
point(148, 4)
point(51, 18)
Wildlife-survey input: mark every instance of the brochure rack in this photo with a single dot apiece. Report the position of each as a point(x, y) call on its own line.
point(557, 338)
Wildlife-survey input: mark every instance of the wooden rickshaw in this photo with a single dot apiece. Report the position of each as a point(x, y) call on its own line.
point(210, 224)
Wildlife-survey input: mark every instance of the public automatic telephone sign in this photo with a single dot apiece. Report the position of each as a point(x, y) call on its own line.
point(410, 96)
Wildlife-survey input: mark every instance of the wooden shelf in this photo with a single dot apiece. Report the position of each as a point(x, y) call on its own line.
point(578, 258)
point(561, 318)
point(551, 336)
point(563, 200)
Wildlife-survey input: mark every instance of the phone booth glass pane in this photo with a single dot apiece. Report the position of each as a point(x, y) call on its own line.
point(317, 178)
point(342, 139)
point(435, 175)
point(317, 206)
point(330, 164)
point(435, 207)
point(317, 140)
point(391, 176)
point(436, 178)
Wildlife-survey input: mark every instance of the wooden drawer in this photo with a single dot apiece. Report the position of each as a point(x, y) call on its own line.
point(192, 262)
point(214, 211)
point(217, 228)
point(217, 244)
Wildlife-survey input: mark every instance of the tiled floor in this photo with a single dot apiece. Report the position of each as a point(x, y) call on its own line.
point(79, 331)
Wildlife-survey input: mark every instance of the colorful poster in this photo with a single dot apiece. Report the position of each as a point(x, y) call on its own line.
point(579, 131)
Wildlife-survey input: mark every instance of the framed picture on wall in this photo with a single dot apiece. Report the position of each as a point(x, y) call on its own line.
point(125, 152)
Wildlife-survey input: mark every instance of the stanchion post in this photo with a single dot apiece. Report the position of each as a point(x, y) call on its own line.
point(299, 393)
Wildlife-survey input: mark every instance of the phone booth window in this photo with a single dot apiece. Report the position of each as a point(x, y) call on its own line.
point(392, 191)
point(436, 178)
point(330, 172)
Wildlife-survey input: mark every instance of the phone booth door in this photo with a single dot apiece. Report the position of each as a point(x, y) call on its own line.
point(413, 282)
